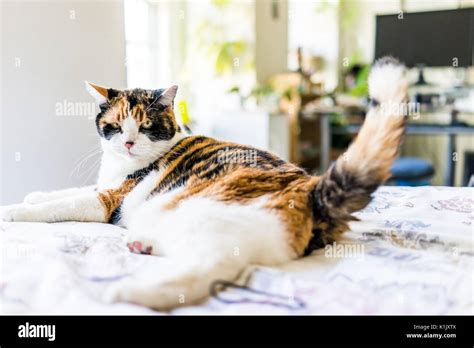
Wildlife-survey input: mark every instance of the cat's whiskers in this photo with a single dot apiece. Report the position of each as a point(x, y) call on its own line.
point(92, 170)
point(82, 160)
point(85, 156)
point(99, 151)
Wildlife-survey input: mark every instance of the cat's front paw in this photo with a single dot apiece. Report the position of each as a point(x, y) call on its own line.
point(36, 197)
point(6, 214)
point(9, 213)
point(17, 212)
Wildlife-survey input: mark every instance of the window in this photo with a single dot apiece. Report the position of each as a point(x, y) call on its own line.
point(206, 47)
point(313, 27)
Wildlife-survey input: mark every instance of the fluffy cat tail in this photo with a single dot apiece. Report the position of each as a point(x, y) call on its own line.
point(348, 184)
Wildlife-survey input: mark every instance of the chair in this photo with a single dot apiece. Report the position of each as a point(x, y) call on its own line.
point(411, 171)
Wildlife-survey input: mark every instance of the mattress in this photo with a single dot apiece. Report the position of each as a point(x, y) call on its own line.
point(412, 252)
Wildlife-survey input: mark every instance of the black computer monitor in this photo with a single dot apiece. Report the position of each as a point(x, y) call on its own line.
point(431, 39)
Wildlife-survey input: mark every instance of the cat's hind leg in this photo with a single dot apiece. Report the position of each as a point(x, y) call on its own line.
point(203, 241)
point(177, 282)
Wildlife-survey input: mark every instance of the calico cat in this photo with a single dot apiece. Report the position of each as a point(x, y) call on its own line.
point(204, 205)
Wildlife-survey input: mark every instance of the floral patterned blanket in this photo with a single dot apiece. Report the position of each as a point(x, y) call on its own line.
point(411, 253)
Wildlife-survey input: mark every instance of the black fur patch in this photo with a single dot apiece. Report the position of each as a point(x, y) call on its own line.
point(115, 216)
point(162, 127)
point(132, 101)
point(373, 103)
point(140, 174)
point(316, 242)
point(112, 93)
point(108, 131)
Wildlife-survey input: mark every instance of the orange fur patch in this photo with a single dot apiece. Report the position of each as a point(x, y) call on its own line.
point(112, 198)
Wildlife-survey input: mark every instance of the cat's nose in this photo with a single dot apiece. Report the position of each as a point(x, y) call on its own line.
point(129, 144)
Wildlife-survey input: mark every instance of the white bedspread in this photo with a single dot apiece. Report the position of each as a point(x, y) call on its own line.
point(413, 252)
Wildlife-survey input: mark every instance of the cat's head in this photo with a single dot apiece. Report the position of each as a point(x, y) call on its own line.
point(136, 124)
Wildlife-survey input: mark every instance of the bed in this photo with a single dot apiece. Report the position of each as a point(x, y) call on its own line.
point(411, 253)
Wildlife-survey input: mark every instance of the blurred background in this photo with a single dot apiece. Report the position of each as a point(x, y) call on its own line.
point(284, 75)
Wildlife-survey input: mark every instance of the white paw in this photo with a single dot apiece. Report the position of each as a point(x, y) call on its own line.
point(17, 212)
point(36, 197)
point(6, 214)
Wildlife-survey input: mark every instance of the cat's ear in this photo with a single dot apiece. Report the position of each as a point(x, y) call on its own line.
point(100, 94)
point(167, 97)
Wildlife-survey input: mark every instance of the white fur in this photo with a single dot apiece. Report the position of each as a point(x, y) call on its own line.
point(129, 129)
point(138, 195)
point(194, 225)
point(387, 82)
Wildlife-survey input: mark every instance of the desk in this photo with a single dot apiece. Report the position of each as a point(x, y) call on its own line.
point(451, 130)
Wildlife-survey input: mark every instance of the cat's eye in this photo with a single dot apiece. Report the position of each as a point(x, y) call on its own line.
point(115, 125)
point(147, 124)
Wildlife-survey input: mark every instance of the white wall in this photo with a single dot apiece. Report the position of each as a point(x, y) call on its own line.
point(47, 50)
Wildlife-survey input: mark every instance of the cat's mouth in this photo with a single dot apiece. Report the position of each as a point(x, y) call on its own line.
point(131, 154)
point(127, 153)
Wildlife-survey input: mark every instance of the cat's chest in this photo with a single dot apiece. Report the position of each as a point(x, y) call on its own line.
point(141, 192)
